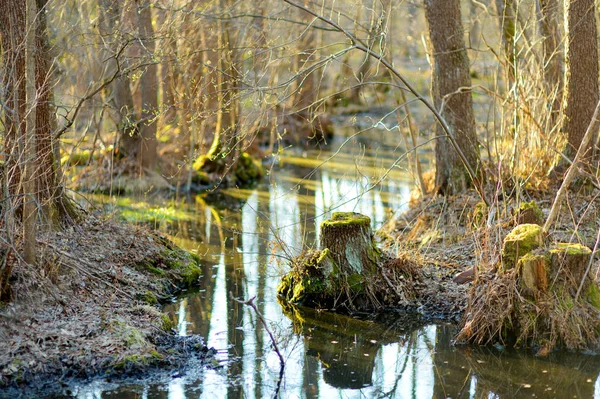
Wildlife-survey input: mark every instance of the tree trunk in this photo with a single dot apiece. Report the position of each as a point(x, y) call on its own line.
point(552, 56)
point(508, 26)
point(32, 173)
point(127, 121)
point(451, 72)
point(149, 82)
point(30, 205)
point(582, 73)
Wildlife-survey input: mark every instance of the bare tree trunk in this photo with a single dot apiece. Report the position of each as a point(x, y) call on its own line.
point(582, 73)
point(122, 97)
point(149, 82)
point(32, 172)
point(451, 73)
point(553, 57)
point(30, 205)
point(508, 26)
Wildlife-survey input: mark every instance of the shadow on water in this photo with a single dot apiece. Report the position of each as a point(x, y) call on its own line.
point(244, 238)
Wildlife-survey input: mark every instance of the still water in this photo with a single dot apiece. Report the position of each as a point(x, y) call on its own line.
point(245, 238)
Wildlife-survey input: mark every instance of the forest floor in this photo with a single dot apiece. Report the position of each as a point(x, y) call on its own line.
point(91, 309)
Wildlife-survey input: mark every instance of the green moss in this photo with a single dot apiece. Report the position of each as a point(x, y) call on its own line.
point(311, 278)
point(149, 298)
point(521, 240)
point(570, 249)
point(128, 360)
point(593, 295)
point(479, 215)
point(346, 219)
point(247, 169)
point(190, 273)
point(167, 324)
point(355, 282)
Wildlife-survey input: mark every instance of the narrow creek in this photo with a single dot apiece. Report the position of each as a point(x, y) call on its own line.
point(245, 237)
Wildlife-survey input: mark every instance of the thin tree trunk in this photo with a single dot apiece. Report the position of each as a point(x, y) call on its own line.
point(552, 56)
point(149, 83)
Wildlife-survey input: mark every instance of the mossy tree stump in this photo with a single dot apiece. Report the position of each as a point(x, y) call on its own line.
point(519, 242)
point(349, 238)
point(342, 271)
point(541, 296)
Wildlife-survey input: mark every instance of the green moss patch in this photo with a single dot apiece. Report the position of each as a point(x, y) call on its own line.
point(520, 241)
point(345, 219)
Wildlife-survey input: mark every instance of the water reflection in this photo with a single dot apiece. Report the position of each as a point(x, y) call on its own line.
point(244, 238)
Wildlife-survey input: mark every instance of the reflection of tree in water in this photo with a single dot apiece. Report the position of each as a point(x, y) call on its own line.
point(346, 347)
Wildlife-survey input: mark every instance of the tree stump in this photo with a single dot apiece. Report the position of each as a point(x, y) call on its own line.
point(523, 239)
point(342, 272)
point(349, 237)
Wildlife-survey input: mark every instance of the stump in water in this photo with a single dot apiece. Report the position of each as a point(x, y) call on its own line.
point(341, 271)
point(349, 238)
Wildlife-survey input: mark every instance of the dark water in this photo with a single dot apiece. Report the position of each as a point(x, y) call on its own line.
point(245, 237)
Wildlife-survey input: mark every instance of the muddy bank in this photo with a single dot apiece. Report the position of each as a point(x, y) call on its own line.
point(90, 308)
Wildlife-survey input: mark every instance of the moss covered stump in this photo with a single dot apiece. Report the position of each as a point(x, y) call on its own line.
point(349, 237)
point(530, 213)
point(520, 241)
point(345, 272)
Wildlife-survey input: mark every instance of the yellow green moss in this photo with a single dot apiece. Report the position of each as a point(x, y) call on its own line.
point(248, 169)
point(521, 240)
point(167, 324)
point(479, 215)
point(570, 249)
point(149, 298)
point(311, 277)
point(346, 219)
point(593, 295)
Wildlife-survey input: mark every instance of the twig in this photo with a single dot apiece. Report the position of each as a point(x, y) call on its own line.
point(250, 302)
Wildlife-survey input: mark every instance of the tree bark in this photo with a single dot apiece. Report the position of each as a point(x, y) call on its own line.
point(110, 18)
point(582, 74)
point(552, 56)
point(149, 83)
point(30, 205)
point(451, 73)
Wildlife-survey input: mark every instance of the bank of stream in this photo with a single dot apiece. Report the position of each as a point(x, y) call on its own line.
point(245, 238)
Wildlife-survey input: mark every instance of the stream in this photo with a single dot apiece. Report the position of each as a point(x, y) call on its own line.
point(246, 236)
